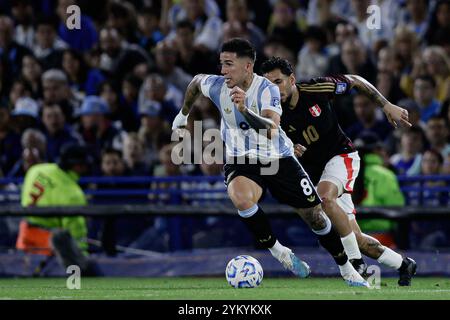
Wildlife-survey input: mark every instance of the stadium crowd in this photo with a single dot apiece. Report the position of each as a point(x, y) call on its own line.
point(116, 83)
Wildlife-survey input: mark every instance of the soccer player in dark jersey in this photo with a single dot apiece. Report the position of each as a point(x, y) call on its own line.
point(329, 156)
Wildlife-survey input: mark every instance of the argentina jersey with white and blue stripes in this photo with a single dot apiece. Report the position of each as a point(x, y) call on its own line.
point(240, 139)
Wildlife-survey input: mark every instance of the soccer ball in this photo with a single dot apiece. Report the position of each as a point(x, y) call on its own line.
point(244, 272)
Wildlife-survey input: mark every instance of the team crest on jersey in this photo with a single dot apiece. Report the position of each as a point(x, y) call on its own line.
point(315, 110)
point(227, 110)
point(341, 87)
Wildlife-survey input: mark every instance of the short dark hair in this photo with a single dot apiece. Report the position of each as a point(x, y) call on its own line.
point(185, 24)
point(111, 150)
point(428, 79)
point(242, 48)
point(277, 63)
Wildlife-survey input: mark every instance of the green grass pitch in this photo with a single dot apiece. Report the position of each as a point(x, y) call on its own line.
point(218, 289)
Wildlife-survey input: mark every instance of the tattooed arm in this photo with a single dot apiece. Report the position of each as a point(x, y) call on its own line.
point(394, 113)
point(192, 92)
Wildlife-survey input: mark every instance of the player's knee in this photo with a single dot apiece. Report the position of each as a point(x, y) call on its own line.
point(241, 201)
point(328, 203)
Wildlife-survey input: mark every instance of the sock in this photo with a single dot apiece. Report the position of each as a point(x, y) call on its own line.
point(351, 246)
point(332, 243)
point(257, 222)
point(329, 239)
point(390, 258)
point(277, 249)
point(346, 268)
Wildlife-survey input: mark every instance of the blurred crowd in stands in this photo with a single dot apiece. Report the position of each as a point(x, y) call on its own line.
point(116, 83)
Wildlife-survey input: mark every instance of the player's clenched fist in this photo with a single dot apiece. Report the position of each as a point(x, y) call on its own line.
point(299, 150)
point(238, 97)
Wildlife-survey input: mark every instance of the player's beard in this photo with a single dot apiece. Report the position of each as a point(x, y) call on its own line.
point(287, 103)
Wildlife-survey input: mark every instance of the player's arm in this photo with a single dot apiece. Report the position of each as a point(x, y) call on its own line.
point(192, 92)
point(268, 120)
point(394, 113)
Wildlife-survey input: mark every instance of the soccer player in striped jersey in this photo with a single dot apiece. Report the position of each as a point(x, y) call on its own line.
point(329, 156)
point(255, 144)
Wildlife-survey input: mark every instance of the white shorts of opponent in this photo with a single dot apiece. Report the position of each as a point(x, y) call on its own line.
point(342, 170)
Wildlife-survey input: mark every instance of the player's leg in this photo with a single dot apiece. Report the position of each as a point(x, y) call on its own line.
point(337, 178)
point(372, 248)
point(321, 225)
point(245, 194)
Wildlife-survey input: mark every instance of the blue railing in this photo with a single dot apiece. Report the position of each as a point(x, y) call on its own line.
point(415, 189)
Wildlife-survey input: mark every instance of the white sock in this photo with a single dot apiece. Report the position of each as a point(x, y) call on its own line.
point(351, 246)
point(277, 249)
point(346, 268)
point(390, 258)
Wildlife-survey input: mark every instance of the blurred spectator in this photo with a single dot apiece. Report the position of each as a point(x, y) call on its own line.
point(129, 95)
point(425, 97)
point(10, 50)
point(22, 13)
point(34, 145)
point(312, 59)
point(407, 161)
point(25, 115)
point(369, 36)
point(155, 92)
point(56, 185)
point(322, 11)
point(82, 39)
point(376, 185)
point(204, 15)
point(438, 66)
point(437, 132)
point(119, 114)
point(368, 119)
point(122, 17)
point(342, 32)
point(153, 131)
point(56, 89)
point(353, 59)
point(57, 132)
point(82, 79)
point(32, 72)
point(388, 85)
point(284, 26)
point(48, 46)
point(148, 27)
point(238, 17)
point(418, 70)
point(10, 148)
point(118, 57)
point(430, 234)
point(96, 129)
point(133, 155)
point(405, 46)
point(275, 47)
point(415, 16)
point(439, 21)
point(166, 58)
point(19, 89)
point(189, 58)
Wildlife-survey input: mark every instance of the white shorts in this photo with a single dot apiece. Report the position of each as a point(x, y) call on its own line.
point(346, 203)
point(342, 170)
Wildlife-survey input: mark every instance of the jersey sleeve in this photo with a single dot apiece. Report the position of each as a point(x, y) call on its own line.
point(330, 85)
point(270, 99)
point(207, 82)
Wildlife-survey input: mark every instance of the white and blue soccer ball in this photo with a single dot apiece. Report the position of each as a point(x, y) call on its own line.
point(244, 272)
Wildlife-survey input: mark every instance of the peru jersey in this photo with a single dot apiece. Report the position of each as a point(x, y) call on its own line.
point(313, 123)
point(240, 139)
